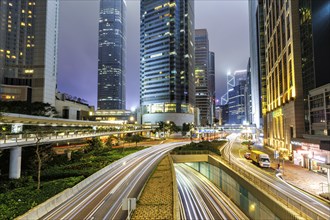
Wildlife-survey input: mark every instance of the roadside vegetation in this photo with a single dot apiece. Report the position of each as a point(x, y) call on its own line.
point(213, 146)
point(57, 173)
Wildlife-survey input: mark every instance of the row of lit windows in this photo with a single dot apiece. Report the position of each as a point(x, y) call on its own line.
point(279, 65)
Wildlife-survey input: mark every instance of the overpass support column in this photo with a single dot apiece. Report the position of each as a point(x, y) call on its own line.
point(15, 163)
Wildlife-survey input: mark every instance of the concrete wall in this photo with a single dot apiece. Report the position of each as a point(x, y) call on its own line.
point(271, 203)
point(190, 158)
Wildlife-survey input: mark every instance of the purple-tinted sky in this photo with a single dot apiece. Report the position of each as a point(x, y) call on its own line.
point(225, 20)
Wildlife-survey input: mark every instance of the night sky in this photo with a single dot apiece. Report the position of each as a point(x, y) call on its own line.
point(225, 20)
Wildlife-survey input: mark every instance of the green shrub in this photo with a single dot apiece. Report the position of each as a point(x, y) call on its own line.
point(18, 196)
point(213, 146)
point(17, 201)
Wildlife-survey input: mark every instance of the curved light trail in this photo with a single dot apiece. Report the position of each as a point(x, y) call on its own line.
point(200, 199)
point(102, 198)
point(303, 200)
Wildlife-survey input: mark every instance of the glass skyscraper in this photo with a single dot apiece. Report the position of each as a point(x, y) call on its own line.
point(167, 90)
point(203, 92)
point(28, 50)
point(112, 53)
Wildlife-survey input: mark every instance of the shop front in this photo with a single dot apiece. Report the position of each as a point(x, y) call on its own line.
point(307, 154)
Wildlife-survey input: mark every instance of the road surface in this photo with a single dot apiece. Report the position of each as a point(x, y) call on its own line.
point(102, 198)
point(200, 199)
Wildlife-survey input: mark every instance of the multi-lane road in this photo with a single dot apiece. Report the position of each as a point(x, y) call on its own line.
point(294, 198)
point(102, 198)
point(200, 199)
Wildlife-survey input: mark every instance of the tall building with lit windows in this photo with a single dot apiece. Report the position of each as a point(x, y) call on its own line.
point(167, 91)
point(296, 46)
point(28, 50)
point(203, 92)
point(285, 109)
point(112, 54)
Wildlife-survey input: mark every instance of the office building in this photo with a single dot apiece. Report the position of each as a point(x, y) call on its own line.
point(236, 102)
point(112, 54)
point(319, 110)
point(255, 71)
point(223, 114)
point(285, 109)
point(167, 90)
point(28, 50)
point(315, 47)
point(248, 95)
point(293, 46)
point(203, 77)
point(313, 150)
point(211, 82)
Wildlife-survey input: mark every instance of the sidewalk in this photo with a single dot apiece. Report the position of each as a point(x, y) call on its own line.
point(304, 179)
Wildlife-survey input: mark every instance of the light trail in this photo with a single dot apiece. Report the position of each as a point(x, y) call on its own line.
point(102, 198)
point(312, 204)
point(201, 199)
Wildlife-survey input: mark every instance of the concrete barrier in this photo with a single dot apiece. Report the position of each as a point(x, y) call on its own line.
point(269, 201)
point(45, 207)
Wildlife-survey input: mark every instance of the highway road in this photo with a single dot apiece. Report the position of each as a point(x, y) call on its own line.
point(200, 199)
point(102, 198)
point(293, 197)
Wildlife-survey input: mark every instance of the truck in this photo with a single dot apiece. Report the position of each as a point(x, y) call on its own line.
point(260, 158)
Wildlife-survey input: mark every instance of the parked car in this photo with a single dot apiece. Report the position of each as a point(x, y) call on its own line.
point(247, 155)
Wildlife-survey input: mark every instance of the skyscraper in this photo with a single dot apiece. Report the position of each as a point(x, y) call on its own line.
point(211, 82)
point(256, 74)
point(315, 47)
point(28, 50)
point(202, 77)
point(167, 90)
point(291, 49)
point(112, 53)
point(237, 98)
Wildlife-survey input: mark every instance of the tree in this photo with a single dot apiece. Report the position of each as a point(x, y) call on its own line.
point(136, 138)
point(186, 127)
point(36, 108)
point(172, 127)
point(168, 126)
point(95, 144)
point(42, 155)
point(110, 140)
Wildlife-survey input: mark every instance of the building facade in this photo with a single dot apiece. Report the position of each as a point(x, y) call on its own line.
point(74, 108)
point(319, 110)
point(211, 82)
point(112, 54)
point(202, 77)
point(223, 114)
point(254, 62)
point(295, 36)
point(167, 90)
point(285, 109)
point(248, 95)
point(315, 48)
point(236, 103)
point(28, 50)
